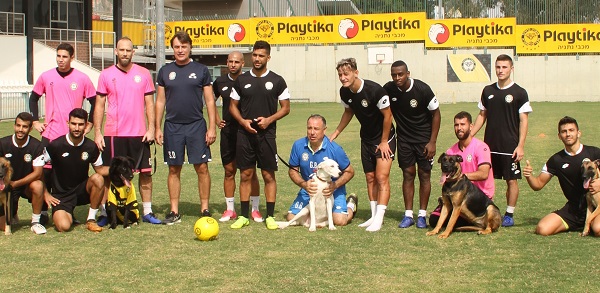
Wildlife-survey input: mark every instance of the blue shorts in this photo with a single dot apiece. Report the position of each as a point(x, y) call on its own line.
point(339, 203)
point(179, 137)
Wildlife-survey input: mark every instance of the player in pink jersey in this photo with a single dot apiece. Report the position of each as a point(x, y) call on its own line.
point(64, 89)
point(128, 90)
point(476, 164)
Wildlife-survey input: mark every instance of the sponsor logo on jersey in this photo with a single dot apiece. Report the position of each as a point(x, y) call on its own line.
point(84, 156)
point(508, 98)
point(172, 75)
point(8, 155)
point(304, 157)
point(394, 99)
point(137, 79)
point(269, 85)
point(490, 97)
point(192, 75)
point(565, 165)
point(364, 103)
point(224, 88)
point(65, 155)
point(247, 86)
point(27, 158)
point(414, 103)
point(73, 86)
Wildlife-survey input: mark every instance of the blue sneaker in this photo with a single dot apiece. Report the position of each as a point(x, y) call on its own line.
point(151, 218)
point(102, 221)
point(508, 221)
point(406, 222)
point(421, 222)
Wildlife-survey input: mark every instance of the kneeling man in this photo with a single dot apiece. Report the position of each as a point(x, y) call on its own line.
point(306, 154)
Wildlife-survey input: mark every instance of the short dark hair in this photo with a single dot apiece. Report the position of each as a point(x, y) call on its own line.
point(183, 38)
point(400, 63)
point(25, 116)
point(317, 116)
point(67, 47)
point(504, 57)
point(463, 115)
point(351, 62)
point(78, 113)
point(567, 120)
point(262, 45)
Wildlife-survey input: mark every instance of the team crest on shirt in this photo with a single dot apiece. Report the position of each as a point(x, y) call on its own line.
point(27, 158)
point(304, 157)
point(73, 86)
point(364, 103)
point(349, 101)
point(84, 156)
point(172, 75)
point(137, 79)
point(414, 103)
point(269, 85)
point(469, 158)
point(508, 98)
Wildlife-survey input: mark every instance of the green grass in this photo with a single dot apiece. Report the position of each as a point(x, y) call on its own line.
point(160, 258)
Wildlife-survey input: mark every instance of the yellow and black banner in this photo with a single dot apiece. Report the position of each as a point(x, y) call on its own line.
point(212, 32)
point(469, 67)
point(480, 32)
point(558, 38)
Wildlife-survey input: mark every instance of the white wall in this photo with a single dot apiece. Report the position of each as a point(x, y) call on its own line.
point(13, 65)
point(310, 72)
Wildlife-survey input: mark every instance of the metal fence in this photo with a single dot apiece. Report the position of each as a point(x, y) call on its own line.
point(14, 102)
point(12, 23)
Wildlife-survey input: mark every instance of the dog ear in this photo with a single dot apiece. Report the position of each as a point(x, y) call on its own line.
point(441, 157)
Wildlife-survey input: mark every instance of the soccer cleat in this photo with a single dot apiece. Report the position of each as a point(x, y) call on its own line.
point(228, 215)
point(38, 228)
point(91, 225)
point(406, 222)
point(240, 223)
point(172, 218)
point(508, 221)
point(102, 221)
point(44, 218)
point(151, 218)
point(257, 217)
point(421, 222)
point(271, 224)
point(206, 213)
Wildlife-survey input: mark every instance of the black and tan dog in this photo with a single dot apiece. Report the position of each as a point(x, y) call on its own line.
point(5, 179)
point(122, 205)
point(465, 199)
point(589, 172)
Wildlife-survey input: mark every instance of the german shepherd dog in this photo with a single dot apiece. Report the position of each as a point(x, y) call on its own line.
point(589, 172)
point(122, 205)
point(5, 179)
point(465, 199)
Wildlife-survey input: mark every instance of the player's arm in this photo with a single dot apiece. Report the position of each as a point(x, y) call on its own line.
point(519, 152)
point(435, 129)
point(220, 123)
point(90, 124)
point(482, 173)
point(99, 118)
point(211, 106)
point(479, 121)
point(344, 121)
point(98, 168)
point(384, 147)
point(150, 117)
point(34, 109)
point(159, 107)
point(536, 183)
point(294, 173)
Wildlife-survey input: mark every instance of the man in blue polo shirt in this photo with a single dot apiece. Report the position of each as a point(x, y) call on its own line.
point(306, 154)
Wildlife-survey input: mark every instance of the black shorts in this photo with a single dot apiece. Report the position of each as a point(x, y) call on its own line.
point(369, 154)
point(75, 197)
point(228, 143)
point(128, 146)
point(410, 154)
point(573, 216)
point(14, 198)
point(256, 150)
point(505, 167)
point(182, 137)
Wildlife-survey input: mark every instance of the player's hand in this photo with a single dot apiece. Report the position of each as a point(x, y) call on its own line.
point(148, 137)
point(99, 140)
point(429, 151)
point(210, 137)
point(328, 191)
point(311, 187)
point(518, 154)
point(88, 127)
point(527, 170)
point(50, 200)
point(386, 152)
point(222, 124)
point(158, 137)
point(39, 126)
point(263, 122)
point(247, 125)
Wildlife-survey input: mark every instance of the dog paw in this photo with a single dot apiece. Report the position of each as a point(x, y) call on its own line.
point(113, 226)
point(444, 236)
point(312, 229)
point(126, 227)
point(332, 228)
point(430, 233)
point(7, 233)
point(583, 234)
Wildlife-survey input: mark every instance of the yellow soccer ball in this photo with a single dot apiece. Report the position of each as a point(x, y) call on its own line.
point(206, 229)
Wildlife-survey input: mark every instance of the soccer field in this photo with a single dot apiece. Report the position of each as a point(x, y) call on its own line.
point(154, 258)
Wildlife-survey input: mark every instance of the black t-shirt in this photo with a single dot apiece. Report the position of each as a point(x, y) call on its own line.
point(70, 163)
point(411, 111)
point(259, 96)
point(567, 169)
point(366, 105)
point(503, 106)
point(222, 88)
point(21, 158)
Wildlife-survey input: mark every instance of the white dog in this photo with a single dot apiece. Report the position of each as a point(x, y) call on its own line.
point(319, 207)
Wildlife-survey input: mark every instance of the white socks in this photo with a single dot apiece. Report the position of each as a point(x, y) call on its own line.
point(510, 209)
point(408, 213)
point(254, 200)
point(229, 202)
point(35, 218)
point(368, 223)
point(147, 205)
point(378, 219)
point(422, 213)
point(92, 214)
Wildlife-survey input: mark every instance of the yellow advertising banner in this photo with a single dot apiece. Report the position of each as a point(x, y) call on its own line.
point(479, 32)
point(555, 38)
point(212, 32)
point(392, 27)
